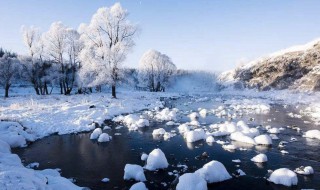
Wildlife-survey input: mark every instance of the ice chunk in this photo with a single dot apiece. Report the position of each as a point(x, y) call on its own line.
point(313, 134)
point(191, 181)
point(284, 176)
point(195, 135)
point(260, 158)
point(132, 171)
point(96, 133)
point(104, 137)
point(213, 172)
point(138, 186)
point(263, 140)
point(308, 170)
point(156, 160)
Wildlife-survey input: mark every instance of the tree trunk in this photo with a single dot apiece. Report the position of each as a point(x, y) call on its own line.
point(46, 88)
point(113, 91)
point(6, 95)
point(37, 90)
point(61, 89)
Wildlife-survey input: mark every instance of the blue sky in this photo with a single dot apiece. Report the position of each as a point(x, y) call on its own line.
point(200, 34)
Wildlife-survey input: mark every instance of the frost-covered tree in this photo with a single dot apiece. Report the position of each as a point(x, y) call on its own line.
point(107, 41)
point(62, 45)
point(155, 70)
point(8, 70)
point(35, 66)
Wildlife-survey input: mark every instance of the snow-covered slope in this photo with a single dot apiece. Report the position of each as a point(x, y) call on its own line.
point(297, 67)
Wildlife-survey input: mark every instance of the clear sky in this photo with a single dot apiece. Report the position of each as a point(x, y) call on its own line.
point(200, 34)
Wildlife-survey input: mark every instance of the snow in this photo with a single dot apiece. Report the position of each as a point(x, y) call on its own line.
point(308, 170)
point(191, 181)
point(313, 134)
point(260, 158)
point(104, 137)
point(144, 156)
point(138, 186)
point(156, 160)
point(105, 180)
point(4, 147)
point(213, 172)
point(263, 140)
point(284, 176)
point(238, 136)
point(241, 173)
point(132, 121)
point(274, 130)
point(167, 115)
point(160, 131)
point(195, 135)
point(132, 171)
point(184, 128)
point(210, 139)
point(96, 133)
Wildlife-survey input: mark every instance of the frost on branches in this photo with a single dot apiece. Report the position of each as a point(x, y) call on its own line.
point(155, 70)
point(107, 39)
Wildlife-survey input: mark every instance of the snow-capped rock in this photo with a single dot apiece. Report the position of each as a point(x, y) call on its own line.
point(156, 160)
point(132, 171)
point(213, 172)
point(284, 177)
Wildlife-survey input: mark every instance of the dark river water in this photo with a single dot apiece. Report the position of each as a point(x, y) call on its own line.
point(88, 162)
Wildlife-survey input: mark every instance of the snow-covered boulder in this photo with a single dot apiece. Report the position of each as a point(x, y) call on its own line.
point(239, 136)
point(159, 131)
point(132, 171)
point(167, 115)
point(96, 133)
point(191, 181)
point(104, 137)
point(144, 156)
point(138, 186)
point(213, 172)
point(195, 135)
point(284, 176)
point(156, 160)
point(228, 127)
point(260, 158)
point(313, 134)
point(263, 140)
point(184, 128)
point(203, 112)
point(193, 116)
point(210, 139)
point(274, 130)
point(308, 170)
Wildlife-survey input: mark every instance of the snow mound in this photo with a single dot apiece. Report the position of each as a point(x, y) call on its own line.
point(263, 140)
point(184, 128)
point(308, 170)
point(4, 147)
point(132, 171)
point(213, 172)
point(197, 134)
point(132, 121)
point(167, 115)
point(274, 130)
point(193, 116)
point(238, 136)
point(159, 131)
point(284, 177)
point(156, 160)
point(191, 181)
point(144, 156)
point(138, 186)
point(260, 158)
point(210, 139)
point(96, 133)
point(104, 137)
point(313, 134)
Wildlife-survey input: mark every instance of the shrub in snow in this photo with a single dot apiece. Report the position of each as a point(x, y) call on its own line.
point(156, 160)
point(96, 133)
point(159, 131)
point(132, 171)
point(308, 170)
point(263, 140)
point(238, 136)
point(284, 176)
point(104, 137)
point(313, 134)
point(191, 181)
point(213, 172)
point(138, 186)
point(195, 135)
point(260, 158)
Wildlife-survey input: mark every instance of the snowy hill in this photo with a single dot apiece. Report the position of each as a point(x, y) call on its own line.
point(297, 68)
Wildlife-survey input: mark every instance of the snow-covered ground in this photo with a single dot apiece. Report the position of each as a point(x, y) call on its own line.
point(28, 117)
